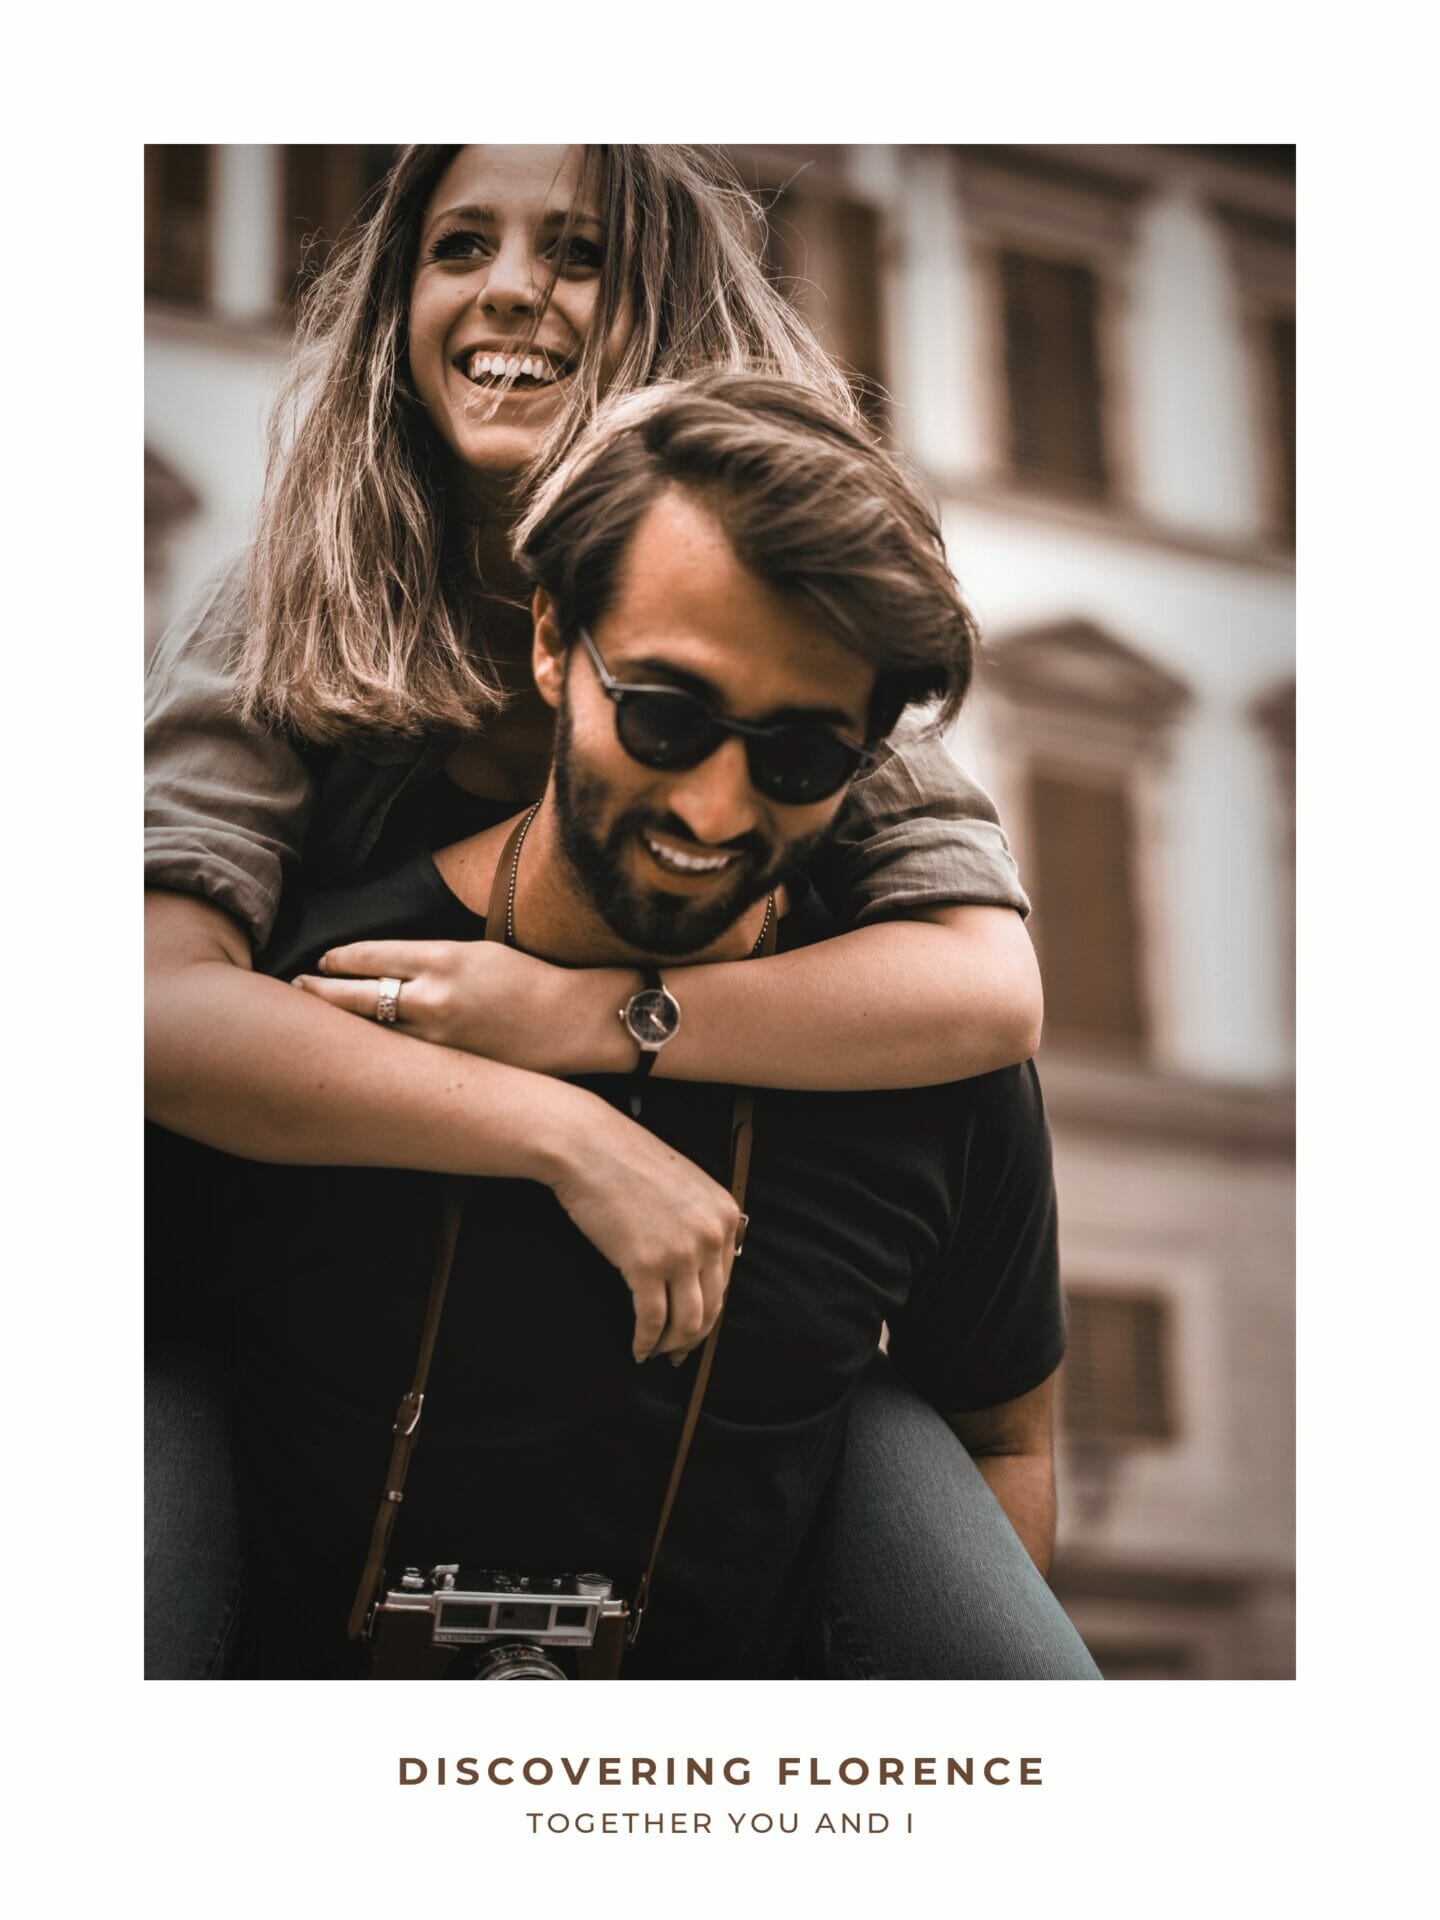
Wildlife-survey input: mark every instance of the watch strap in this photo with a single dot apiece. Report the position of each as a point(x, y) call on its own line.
point(653, 984)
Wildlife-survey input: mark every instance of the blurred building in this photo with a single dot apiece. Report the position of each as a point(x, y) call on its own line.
point(1090, 351)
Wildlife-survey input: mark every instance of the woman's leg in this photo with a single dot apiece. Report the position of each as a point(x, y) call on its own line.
point(192, 1524)
point(922, 1576)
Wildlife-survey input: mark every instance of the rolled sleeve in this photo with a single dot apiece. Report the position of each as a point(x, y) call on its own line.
point(917, 831)
point(226, 804)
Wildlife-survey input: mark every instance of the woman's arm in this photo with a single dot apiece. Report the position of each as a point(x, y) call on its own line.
point(909, 1003)
point(244, 1063)
point(935, 981)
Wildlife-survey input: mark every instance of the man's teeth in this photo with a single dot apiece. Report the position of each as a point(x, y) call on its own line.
point(499, 366)
point(677, 862)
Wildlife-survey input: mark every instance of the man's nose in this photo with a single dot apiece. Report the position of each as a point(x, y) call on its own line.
point(715, 799)
point(515, 283)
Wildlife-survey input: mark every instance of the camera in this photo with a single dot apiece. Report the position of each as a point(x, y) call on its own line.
point(480, 1624)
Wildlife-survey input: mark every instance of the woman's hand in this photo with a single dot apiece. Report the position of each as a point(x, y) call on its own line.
point(665, 1225)
point(668, 1227)
point(653, 1214)
point(485, 998)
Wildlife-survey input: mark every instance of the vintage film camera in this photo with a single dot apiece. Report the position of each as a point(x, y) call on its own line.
point(456, 1623)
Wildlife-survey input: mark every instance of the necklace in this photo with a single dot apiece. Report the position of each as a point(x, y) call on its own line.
point(764, 926)
point(510, 939)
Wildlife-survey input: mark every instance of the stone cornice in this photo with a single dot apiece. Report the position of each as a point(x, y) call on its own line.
point(1139, 1103)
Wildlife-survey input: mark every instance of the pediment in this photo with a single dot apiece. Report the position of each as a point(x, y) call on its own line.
point(1275, 712)
point(168, 498)
point(1075, 665)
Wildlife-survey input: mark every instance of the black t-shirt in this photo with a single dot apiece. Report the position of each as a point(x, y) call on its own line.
point(543, 1444)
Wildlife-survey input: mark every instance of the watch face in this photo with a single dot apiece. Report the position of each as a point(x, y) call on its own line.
point(653, 1017)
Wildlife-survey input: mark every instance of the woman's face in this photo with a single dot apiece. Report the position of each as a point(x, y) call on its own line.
point(500, 308)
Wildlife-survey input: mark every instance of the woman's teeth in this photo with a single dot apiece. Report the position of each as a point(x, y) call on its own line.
point(676, 862)
point(512, 367)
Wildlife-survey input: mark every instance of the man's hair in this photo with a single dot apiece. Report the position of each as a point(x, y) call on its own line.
point(361, 621)
point(809, 500)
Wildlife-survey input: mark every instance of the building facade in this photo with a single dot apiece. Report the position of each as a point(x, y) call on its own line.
point(1090, 353)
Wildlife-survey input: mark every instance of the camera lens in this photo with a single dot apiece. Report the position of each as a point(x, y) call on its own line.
point(515, 1661)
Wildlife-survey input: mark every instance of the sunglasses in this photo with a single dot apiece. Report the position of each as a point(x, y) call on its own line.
point(795, 762)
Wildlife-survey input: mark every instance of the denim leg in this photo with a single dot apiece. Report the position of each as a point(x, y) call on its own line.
point(192, 1525)
point(922, 1576)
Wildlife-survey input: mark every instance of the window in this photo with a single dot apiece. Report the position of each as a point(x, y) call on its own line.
point(324, 190)
point(1087, 925)
point(1275, 713)
point(823, 250)
point(1144, 1660)
point(1052, 237)
point(177, 224)
point(1279, 333)
point(1050, 322)
point(1115, 1382)
point(1084, 722)
point(1262, 260)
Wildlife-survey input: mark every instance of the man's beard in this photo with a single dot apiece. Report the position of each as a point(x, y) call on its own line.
point(646, 918)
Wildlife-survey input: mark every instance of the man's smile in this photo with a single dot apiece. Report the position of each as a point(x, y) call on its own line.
point(692, 862)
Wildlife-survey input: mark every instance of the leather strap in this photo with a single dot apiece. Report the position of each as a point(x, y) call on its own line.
point(742, 1134)
point(648, 1055)
point(407, 1417)
point(407, 1414)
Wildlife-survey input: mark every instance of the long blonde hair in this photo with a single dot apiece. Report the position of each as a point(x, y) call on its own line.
point(361, 619)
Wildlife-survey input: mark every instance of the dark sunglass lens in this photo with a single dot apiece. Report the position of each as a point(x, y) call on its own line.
point(665, 729)
point(800, 765)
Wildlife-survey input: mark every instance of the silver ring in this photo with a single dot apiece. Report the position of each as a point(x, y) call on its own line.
point(387, 1007)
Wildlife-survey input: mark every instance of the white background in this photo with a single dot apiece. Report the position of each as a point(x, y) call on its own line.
point(282, 1800)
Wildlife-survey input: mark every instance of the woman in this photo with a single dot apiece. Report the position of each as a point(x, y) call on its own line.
point(365, 683)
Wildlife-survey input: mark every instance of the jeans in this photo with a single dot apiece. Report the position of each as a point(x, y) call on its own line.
point(192, 1521)
point(922, 1576)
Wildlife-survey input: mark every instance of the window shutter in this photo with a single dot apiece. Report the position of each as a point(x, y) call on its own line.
point(823, 253)
point(1086, 924)
point(1115, 1384)
point(1145, 1659)
point(1050, 318)
point(324, 190)
point(177, 223)
point(856, 295)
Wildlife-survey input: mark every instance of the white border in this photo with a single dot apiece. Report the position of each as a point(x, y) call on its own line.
point(279, 1801)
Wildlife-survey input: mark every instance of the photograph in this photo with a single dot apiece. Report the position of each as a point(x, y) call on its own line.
point(720, 914)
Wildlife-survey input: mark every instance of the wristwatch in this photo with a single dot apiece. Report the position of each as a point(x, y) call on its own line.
point(650, 1017)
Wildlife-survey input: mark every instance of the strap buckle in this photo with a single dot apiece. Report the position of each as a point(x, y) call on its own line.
point(637, 1612)
point(407, 1414)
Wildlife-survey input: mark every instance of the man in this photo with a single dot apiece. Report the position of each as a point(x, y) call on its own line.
point(736, 597)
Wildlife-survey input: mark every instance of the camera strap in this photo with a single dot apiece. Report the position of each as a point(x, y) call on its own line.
point(407, 1416)
point(742, 1133)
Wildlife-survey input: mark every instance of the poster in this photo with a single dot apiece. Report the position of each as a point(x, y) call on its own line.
point(298, 1781)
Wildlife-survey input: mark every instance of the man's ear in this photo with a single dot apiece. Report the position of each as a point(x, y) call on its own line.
point(548, 651)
